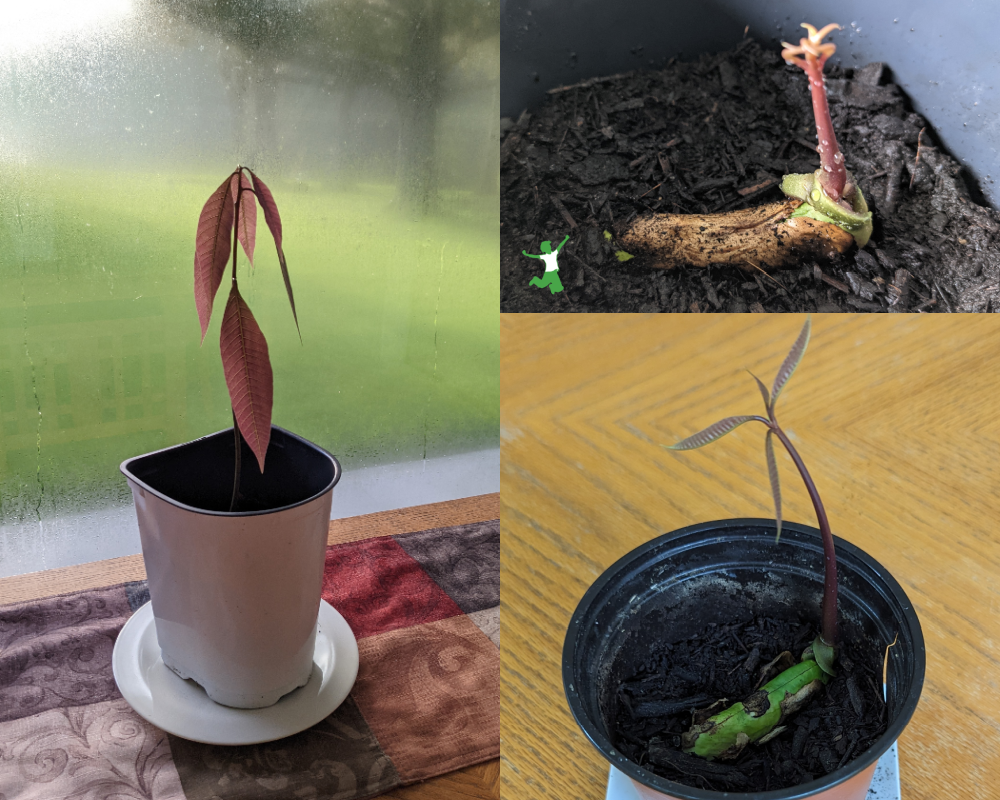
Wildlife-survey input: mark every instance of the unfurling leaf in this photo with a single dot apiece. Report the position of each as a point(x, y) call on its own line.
point(824, 654)
point(273, 221)
point(211, 250)
point(763, 392)
point(246, 225)
point(711, 433)
point(248, 374)
point(790, 363)
point(772, 473)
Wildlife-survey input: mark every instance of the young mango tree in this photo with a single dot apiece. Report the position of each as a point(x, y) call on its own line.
point(231, 211)
point(724, 730)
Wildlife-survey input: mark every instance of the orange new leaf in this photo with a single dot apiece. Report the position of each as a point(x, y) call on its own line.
point(246, 225)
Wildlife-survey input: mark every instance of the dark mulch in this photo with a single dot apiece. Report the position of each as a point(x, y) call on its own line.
point(717, 134)
point(654, 706)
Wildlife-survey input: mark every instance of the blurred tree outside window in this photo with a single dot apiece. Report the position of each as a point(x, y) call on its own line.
point(376, 125)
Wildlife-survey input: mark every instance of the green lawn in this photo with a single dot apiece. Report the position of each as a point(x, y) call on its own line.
point(98, 328)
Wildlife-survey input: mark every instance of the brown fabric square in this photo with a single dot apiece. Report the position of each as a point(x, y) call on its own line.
point(56, 652)
point(431, 694)
point(337, 759)
point(103, 750)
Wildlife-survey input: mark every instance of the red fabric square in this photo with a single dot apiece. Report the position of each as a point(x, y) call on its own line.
point(378, 587)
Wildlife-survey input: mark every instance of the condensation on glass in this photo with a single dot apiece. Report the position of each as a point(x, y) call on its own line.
point(376, 125)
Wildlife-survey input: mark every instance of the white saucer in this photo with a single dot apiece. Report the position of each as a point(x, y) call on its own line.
point(885, 781)
point(182, 708)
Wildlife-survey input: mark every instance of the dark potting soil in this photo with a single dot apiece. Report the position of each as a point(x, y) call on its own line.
point(655, 703)
point(717, 134)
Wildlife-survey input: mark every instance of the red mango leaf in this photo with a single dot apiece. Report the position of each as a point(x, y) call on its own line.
point(273, 221)
point(711, 433)
point(790, 363)
point(246, 225)
point(248, 374)
point(211, 250)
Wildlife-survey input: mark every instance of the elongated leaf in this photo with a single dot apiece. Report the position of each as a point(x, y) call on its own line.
point(791, 362)
point(211, 250)
point(763, 392)
point(772, 473)
point(273, 221)
point(711, 433)
point(246, 225)
point(248, 374)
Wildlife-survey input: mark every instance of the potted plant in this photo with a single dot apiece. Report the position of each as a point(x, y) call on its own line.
point(824, 213)
point(704, 613)
point(234, 554)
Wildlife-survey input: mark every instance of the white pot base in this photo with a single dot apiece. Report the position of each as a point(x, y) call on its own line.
point(219, 693)
point(885, 783)
point(182, 708)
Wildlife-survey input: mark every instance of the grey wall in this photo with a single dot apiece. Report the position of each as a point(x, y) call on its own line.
point(943, 54)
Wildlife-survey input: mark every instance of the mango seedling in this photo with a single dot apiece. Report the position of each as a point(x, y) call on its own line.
point(724, 733)
point(824, 213)
point(232, 211)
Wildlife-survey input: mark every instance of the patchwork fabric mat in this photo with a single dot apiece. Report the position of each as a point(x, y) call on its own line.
point(425, 609)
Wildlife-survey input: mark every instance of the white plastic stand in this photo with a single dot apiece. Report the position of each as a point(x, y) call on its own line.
point(885, 783)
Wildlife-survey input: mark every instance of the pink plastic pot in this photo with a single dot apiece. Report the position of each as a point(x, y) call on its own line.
point(235, 595)
point(719, 568)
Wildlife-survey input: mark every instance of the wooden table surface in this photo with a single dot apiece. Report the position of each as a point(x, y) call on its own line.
point(478, 782)
point(895, 416)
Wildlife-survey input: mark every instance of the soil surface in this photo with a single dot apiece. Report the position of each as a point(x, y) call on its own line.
point(655, 703)
point(717, 134)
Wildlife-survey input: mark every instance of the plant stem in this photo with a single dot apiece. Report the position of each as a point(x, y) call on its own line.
point(834, 175)
point(237, 470)
point(236, 428)
point(828, 630)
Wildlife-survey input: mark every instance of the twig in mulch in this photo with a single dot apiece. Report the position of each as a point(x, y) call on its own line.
point(563, 211)
point(591, 82)
point(767, 275)
point(917, 159)
point(650, 190)
point(746, 191)
point(577, 258)
point(943, 296)
point(822, 276)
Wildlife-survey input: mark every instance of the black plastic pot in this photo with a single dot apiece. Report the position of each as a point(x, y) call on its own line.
point(725, 568)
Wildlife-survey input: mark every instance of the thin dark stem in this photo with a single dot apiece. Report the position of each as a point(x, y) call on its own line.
point(236, 428)
point(828, 613)
point(237, 470)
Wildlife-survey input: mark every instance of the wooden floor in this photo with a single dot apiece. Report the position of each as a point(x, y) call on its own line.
point(897, 417)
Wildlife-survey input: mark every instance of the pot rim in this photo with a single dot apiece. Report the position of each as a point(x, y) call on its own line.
point(127, 472)
point(672, 789)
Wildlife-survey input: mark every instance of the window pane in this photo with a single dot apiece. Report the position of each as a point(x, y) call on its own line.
point(375, 123)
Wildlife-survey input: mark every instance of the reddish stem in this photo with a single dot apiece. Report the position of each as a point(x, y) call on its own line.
point(834, 175)
point(828, 612)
